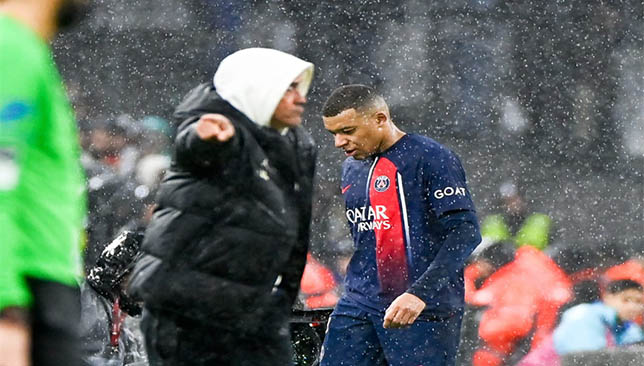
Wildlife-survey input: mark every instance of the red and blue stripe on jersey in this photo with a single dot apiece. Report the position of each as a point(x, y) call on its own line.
point(391, 252)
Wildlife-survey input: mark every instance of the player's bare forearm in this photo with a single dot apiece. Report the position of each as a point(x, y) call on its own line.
point(14, 343)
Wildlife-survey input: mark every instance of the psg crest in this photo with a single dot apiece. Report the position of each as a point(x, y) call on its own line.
point(381, 184)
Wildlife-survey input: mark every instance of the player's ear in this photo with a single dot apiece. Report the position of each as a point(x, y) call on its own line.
point(381, 118)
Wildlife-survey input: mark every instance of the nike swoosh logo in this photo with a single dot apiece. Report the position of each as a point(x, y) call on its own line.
point(345, 189)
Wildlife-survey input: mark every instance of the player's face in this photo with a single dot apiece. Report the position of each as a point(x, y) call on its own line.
point(358, 134)
point(290, 108)
point(629, 304)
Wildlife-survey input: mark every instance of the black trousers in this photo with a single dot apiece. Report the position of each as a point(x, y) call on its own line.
point(54, 318)
point(173, 342)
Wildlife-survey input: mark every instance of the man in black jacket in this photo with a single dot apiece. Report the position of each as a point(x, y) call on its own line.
point(225, 250)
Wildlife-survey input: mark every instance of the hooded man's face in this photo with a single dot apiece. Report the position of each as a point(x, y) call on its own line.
point(290, 108)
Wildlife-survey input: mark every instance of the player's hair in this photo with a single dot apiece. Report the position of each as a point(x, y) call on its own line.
point(615, 287)
point(356, 96)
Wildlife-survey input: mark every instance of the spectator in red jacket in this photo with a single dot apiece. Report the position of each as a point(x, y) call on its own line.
point(523, 299)
point(484, 261)
point(318, 285)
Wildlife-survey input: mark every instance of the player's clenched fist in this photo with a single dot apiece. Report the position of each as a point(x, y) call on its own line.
point(403, 311)
point(215, 127)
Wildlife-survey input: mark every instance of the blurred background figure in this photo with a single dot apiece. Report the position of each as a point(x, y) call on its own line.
point(483, 262)
point(515, 300)
point(522, 301)
point(124, 163)
point(155, 136)
point(318, 287)
point(594, 326)
point(632, 269)
point(516, 222)
point(110, 330)
point(113, 143)
point(584, 268)
point(609, 322)
point(331, 242)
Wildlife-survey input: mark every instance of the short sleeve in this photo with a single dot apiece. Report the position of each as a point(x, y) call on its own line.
point(445, 183)
point(21, 81)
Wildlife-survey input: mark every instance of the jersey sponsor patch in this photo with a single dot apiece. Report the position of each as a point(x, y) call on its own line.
point(369, 218)
point(367, 213)
point(14, 111)
point(381, 183)
point(449, 191)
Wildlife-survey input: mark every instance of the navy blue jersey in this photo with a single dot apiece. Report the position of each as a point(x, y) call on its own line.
point(395, 201)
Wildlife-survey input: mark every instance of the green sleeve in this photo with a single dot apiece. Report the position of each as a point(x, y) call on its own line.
point(42, 200)
point(18, 121)
point(494, 228)
point(535, 231)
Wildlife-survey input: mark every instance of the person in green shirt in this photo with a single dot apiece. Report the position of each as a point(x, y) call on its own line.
point(42, 190)
point(516, 223)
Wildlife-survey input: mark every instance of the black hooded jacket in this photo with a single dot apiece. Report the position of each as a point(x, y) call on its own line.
point(227, 244)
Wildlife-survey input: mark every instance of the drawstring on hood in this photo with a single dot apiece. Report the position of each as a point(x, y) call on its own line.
point(254, 80)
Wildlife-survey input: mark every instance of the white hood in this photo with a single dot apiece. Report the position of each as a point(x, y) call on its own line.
point(254, 80)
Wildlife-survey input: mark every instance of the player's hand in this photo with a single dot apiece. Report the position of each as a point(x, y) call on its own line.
point(215, 127)
point(403, 311)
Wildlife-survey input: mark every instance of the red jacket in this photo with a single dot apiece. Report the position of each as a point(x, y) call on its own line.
point(522, 297)
point(318, 285)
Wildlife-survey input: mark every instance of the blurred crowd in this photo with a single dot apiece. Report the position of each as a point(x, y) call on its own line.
point(124, 161)
point(522, 283)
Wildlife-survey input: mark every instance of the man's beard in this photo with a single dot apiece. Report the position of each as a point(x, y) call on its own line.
point(71, 12)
